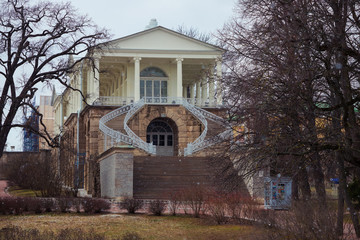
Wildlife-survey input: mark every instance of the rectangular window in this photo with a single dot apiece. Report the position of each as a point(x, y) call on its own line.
point(161, 140)
point(142, 89)
point(156, 88)
point(169, 140)
point(148, 90)
point(163, 88)
point(155, 140)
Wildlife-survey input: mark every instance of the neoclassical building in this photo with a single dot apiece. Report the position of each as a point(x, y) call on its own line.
point(153, 111)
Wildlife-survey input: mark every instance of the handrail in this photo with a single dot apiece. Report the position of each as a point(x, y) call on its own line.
point(137, 141)
point(131, 138)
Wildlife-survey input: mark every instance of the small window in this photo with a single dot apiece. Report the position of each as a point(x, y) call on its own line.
point(161, 140)
point(155, 139)
point(169, 140)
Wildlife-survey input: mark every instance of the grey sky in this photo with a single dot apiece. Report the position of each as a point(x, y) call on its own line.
point(125, 17)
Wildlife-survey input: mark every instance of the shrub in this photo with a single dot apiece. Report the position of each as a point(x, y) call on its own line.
point(95, 205)
point(174, 202)
point(194, 198)
point(217, 207)
point(48, 204)
point(157, 207)
point(77, 204)
point(306, 220)
point(131, 205)
point(64, 204)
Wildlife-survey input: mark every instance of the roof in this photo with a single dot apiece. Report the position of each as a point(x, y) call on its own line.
point(155, 33)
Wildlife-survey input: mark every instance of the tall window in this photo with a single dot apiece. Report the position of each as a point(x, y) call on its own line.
point(153, 84)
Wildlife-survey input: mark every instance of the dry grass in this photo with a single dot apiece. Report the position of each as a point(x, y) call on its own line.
point(20, 192)
point(148, 227)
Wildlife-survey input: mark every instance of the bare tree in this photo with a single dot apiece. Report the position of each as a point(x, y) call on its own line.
point(292, 79)
point(38, 39)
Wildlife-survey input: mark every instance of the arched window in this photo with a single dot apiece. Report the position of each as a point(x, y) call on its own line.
point(153, 84)
point(152, 72)
point(159, 133)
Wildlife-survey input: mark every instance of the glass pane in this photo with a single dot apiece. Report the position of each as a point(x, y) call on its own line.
point(148, 138)
point(162, 140)
point(142, 89)
point(163, 88)
point(169, 140)
point(155, 140)
point(149, 88)
point(156, 88)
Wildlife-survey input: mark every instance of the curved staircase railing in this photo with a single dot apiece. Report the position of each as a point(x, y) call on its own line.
point(131, 138)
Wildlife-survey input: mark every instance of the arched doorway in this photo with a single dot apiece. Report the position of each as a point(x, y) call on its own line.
point(161, 134)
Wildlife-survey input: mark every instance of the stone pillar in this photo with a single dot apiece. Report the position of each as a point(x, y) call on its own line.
point(137, 79)
point(179, 78)
point(219, 89)
point(116, 175)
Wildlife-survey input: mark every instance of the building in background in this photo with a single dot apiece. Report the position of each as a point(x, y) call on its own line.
point(47, 111)
point(32, 142)
point(31, 138)
point(152, 118)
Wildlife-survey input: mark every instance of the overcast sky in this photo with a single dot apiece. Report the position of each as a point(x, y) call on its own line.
point(125, 17)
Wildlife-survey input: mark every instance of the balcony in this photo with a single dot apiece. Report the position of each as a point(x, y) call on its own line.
point(122, 101)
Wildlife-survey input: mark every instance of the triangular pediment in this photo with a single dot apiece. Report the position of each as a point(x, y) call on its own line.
point(160, 38)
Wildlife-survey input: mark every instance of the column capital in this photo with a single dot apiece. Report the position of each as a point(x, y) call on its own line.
point(179, 59)
point(137, 59)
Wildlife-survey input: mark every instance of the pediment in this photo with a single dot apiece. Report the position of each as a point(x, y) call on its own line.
point(163, 39)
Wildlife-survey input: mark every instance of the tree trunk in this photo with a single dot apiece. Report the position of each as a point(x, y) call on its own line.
point(341, 190)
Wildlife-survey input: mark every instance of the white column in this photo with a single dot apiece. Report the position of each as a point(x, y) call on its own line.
point(137, 79)
point(211, 88)
point(219, 89)
point(185, 91)
point(179, 78)
point(198, 97)
point(96, 80)
point(192, 87)
point(204, 91)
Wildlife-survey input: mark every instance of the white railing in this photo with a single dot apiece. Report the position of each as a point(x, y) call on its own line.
point(122, 101)
point(113, 101)
point(109, 132)
point(137, 141)
point(131, 138)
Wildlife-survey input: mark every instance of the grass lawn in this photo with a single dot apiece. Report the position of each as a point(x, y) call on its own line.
point(148, 227)
point(20, 192)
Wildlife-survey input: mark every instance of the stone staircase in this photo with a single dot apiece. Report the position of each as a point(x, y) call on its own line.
point(156, 177)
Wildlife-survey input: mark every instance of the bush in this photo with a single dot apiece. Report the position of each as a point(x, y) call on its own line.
point(174, 202)
point(306, 220)
point(48, 204)
point(217, 207)
point(65, 204)
point(95, 205)
point(157, 207)
point(194, 198)
point(131, 205)
point(354, 192)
